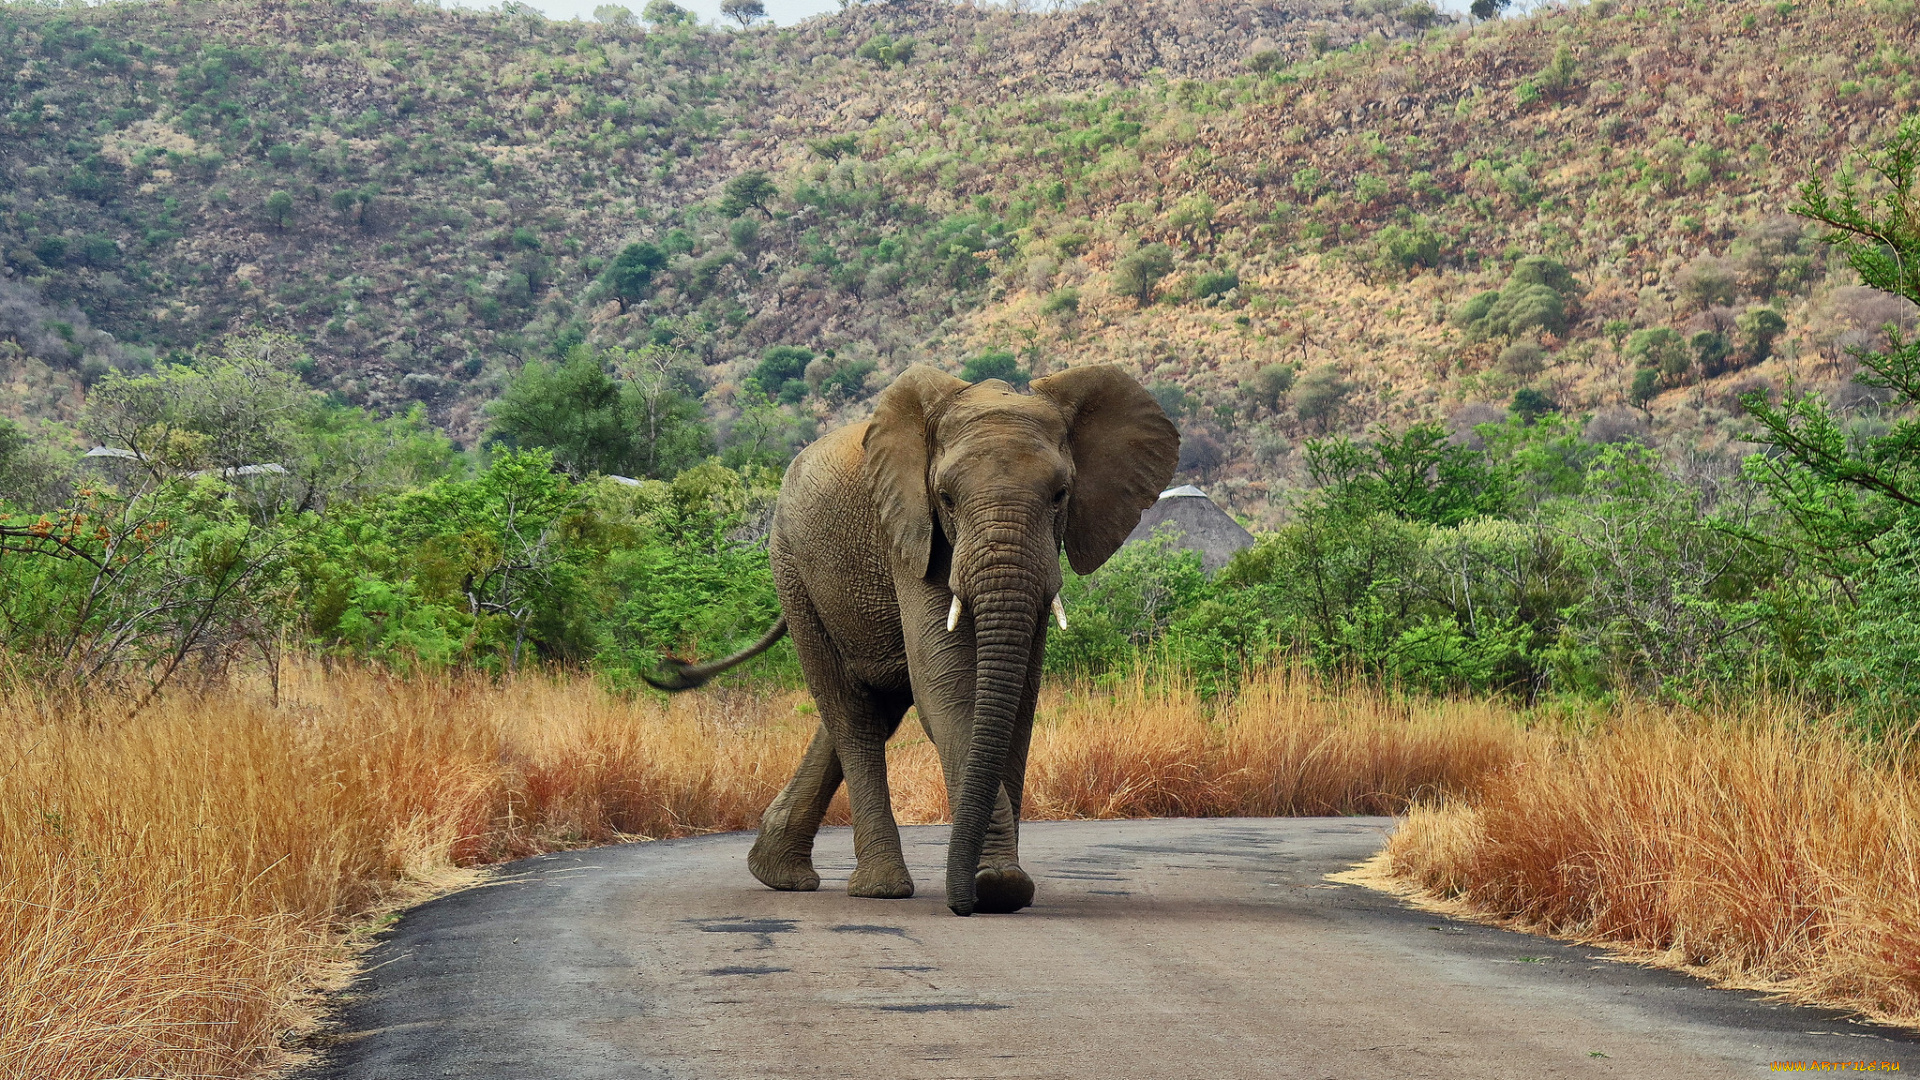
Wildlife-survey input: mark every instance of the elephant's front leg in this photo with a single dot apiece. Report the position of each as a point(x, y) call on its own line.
point(782, 855)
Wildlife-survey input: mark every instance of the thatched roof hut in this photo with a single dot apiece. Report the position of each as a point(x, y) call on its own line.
point(1197, 525)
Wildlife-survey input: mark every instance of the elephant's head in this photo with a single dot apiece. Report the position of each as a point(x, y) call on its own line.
point(981, 487)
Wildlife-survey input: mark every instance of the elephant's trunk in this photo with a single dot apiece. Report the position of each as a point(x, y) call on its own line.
point(1007, 602)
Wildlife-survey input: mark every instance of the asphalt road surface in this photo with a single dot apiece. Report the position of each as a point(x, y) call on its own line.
point(1171, 948)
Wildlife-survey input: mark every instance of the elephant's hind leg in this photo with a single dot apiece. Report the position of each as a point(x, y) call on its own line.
point(782, 855)
point(859, 718)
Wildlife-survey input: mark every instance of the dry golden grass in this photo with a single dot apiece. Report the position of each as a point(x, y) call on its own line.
point(175, 885)
point(1752, 850)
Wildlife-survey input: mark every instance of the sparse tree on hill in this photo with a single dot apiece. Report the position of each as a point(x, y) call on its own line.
point(1137, 274)
point(751, 190)
point(744, 12)
point(630, 274)
point(667, 13)
point(279, 208)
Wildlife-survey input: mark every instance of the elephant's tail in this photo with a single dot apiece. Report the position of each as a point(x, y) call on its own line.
point(677, 674)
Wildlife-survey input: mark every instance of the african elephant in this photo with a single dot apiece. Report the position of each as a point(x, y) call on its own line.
point(915, 556)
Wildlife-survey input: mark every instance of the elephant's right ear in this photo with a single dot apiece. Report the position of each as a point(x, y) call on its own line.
point(896, 463)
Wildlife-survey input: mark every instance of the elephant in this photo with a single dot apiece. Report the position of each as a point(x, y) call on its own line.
point(916, 557)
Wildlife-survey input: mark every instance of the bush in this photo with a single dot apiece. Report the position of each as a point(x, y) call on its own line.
point(630, 275)
point(782, 372)
point(1530, 404)
point(1269, 386)
point(1658, 348)
point(666, 13)
point(1214, 283)
point(1410, 247)
point(884, 50)
point(995, 365)
point(1535, 297)
point(1135, 275)
point(1319, 395)
point(1757, 328)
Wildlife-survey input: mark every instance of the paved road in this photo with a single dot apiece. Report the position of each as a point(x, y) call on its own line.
point(1173, 948)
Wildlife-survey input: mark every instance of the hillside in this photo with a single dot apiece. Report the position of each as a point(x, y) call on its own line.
point(428, 197)
point(453, 179)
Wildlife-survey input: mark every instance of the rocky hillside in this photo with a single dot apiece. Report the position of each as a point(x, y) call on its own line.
point(425, 195)
point(1290, 219)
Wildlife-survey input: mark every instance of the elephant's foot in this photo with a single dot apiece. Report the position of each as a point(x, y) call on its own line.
point(998, 890)
point(880, 881)
point(778, 869)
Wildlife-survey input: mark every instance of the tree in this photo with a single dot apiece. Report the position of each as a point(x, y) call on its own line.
point(751, 190)
point(613, 15)
point(1319, 395)
point(1843, 491)
point(227, 409)
point(279, 208)
point(1646, 386)
point(1269, 386)
point(665, 13)
point(884, 50)
point(1660, 349)
point(744, 12)
point(631, 272)
point(835, 147)
point(28, 476)
point(1757, 329)
point(782, 372)
point(1530, 404)
point(994, 364)
point(1485, 10)
point(1135, 275)
point(646, 423)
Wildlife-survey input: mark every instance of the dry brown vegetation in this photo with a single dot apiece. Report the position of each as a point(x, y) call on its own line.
point(175, 884)
point(178, 886)
point(1754, 851)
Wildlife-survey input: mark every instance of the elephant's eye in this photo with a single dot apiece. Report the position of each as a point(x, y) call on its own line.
point(1060, 496)
point(946, 499)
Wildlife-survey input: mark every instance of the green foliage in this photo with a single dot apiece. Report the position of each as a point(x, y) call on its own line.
point(1270, 385)
point(1419, 475)
point(630, 275)
point(1758, 327)
point(1660, 350)
point(1136, 274)
point(1411, 247)
point(751, 190)
point(1535, 297)
point(884, 50)
point(782, 372)
point(1530, 404)
point(1846, 493)
point(1319, 395)
point(645, 423)
point(1214, 283)
point(279, 209)
point(667, 14)
point(995, 364)
point(744, 12)
point(835, 147)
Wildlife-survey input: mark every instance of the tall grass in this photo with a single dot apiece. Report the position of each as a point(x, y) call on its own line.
point(175, 884)
point(1755, 850)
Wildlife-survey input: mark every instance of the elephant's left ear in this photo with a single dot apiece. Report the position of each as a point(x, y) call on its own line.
point(896, 461)
point(1124, 453)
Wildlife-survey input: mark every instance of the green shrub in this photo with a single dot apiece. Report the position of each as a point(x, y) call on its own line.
point(1135, 275)
point(995, 364)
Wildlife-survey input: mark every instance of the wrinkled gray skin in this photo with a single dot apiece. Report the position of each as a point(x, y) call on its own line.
point(950, 490)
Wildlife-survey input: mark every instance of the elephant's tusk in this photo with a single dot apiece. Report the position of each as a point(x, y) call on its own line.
point(1059, 611)
point(953, 614)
